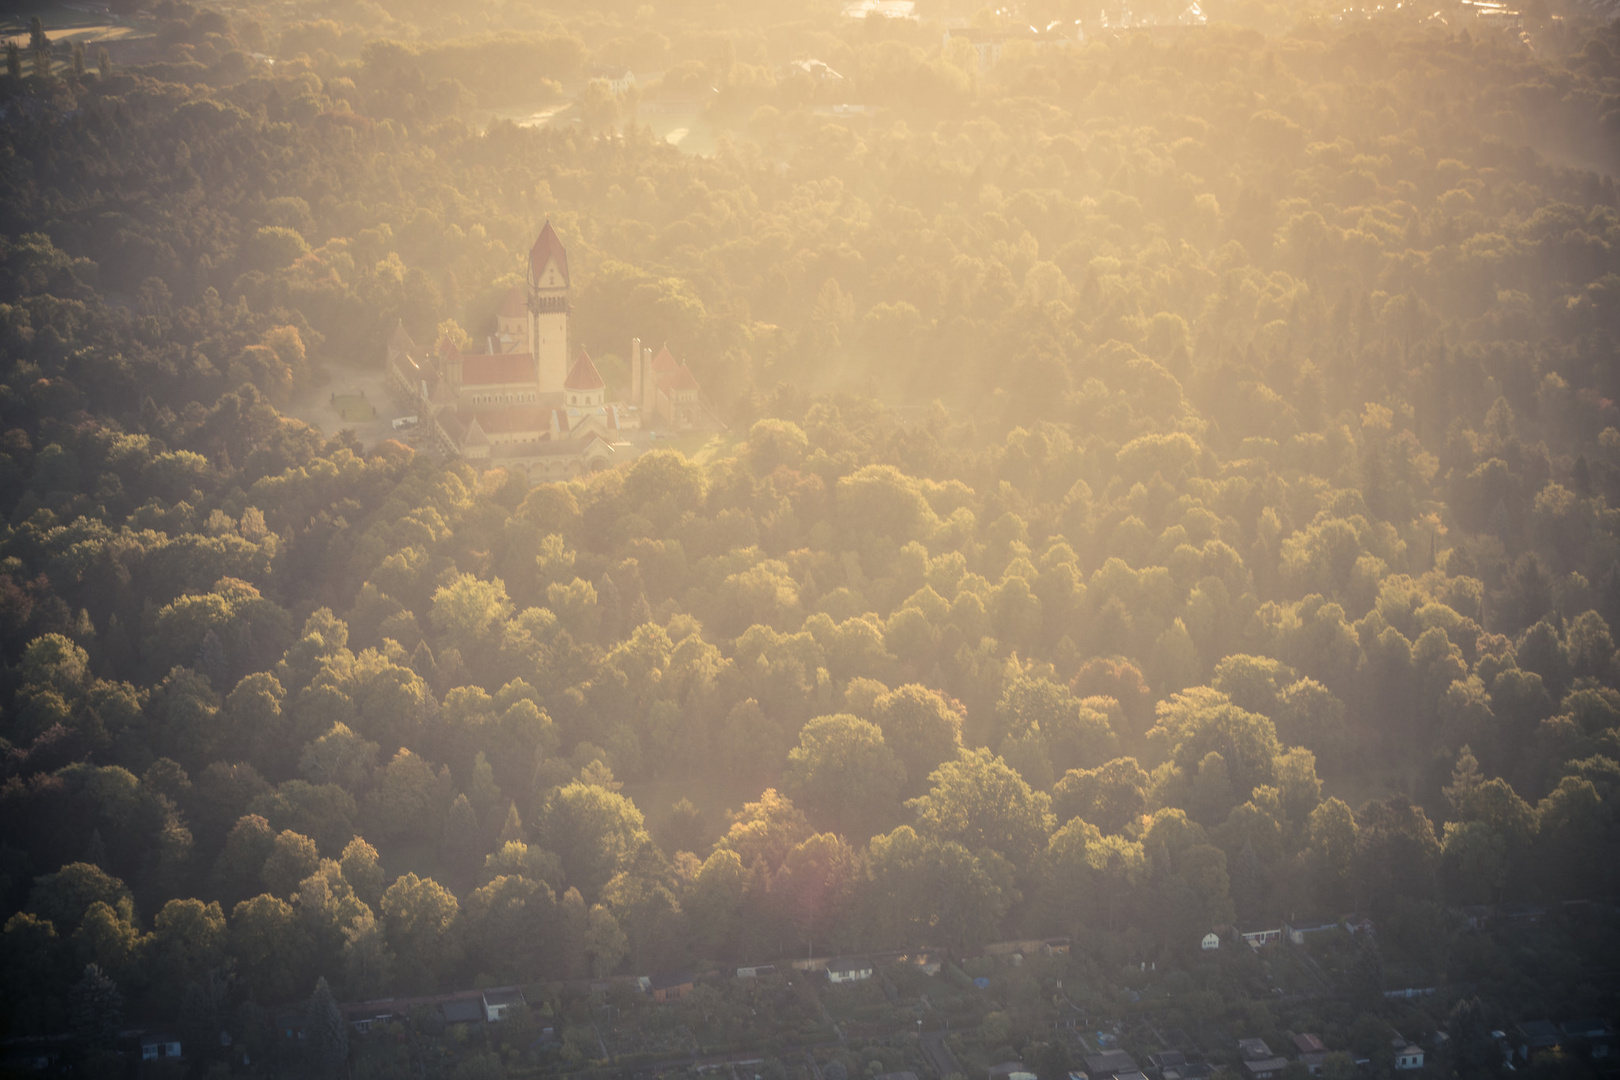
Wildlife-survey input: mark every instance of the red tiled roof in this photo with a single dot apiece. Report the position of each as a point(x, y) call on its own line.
point(518, 418)
point(679, 379)
point(497, 369)
point(664, 362)
point(584, 376)
point(547, 248)
point(448, 347)
point(515, 305)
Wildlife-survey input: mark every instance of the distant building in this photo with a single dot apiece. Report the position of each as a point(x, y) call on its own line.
point(1358, 924)
point(1259, 1061)
point(1312, 1052)
point(619, 79)
point(754, 971)
point(515, 401)
point(497, 1003)
point(1010, 1070)
point(817, 70)
point(462, 1010)
point(1212, 941)
point(926, 962)
point(881, 9)
point(1297, 932)
point(160, 1046)
point(849, 970)
point(1166, 1059)
point(1597, 1037)
point(1409, 1057)
point(1110, 1063)
point(1256, 937)
point(1534, 1037)
point(1192, 1070)
point(670, 986)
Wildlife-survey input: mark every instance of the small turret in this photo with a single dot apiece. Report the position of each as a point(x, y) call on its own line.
point(584, 388)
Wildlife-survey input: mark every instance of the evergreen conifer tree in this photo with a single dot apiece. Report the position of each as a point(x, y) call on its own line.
point(513, 829)
point(326, 1034)
point(95, 1007)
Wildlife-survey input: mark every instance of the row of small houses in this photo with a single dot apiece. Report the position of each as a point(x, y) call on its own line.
point(1595, 1039)
point(1474, 917)
point(1258, 1062)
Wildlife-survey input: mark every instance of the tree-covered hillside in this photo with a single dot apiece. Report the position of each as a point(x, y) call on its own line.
point(1170, 483)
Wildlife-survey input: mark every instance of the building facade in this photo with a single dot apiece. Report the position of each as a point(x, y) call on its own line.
point(514, 401)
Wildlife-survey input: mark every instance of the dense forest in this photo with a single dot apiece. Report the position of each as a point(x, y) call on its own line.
point(1171, 483)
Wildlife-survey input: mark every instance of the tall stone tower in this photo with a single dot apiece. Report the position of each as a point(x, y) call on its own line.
point(548, 313)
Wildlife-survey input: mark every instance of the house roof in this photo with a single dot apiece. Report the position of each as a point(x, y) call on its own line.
point(454, 426)
point(548, 248)
point(584, 375)
point(547, 448)
point(475, 434)
point(509, 420)
point(510, 995)
point(665, 361)
point(849, 964)
point(668, 979)
point(400, 339)
point(1538, 1033)
point(1254, 1049)
point(679, 379)
point(497, 369)
point(515, 304)
point(1109, 1062)
point(461, 1010)
point(1308, 1043)
point(1259, 1066)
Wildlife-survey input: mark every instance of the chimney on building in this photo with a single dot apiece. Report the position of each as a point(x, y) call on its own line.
point(635, 371)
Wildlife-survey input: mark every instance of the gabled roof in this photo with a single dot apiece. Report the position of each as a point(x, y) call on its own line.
point(664, 362)
point(447, 348)
point(584, 375)
point(668, 979)
point(401, 340)
point(497, 369)
point(515, 304)
point(512, 420)
point(475, 434)
point(510, 995)
point(1254, 1048)
point(548, 248)
point(679, 379)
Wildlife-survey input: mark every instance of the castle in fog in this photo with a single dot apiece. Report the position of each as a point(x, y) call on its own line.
point(519, 403)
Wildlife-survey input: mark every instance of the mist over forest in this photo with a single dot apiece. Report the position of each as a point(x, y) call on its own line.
point(1113, 571)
